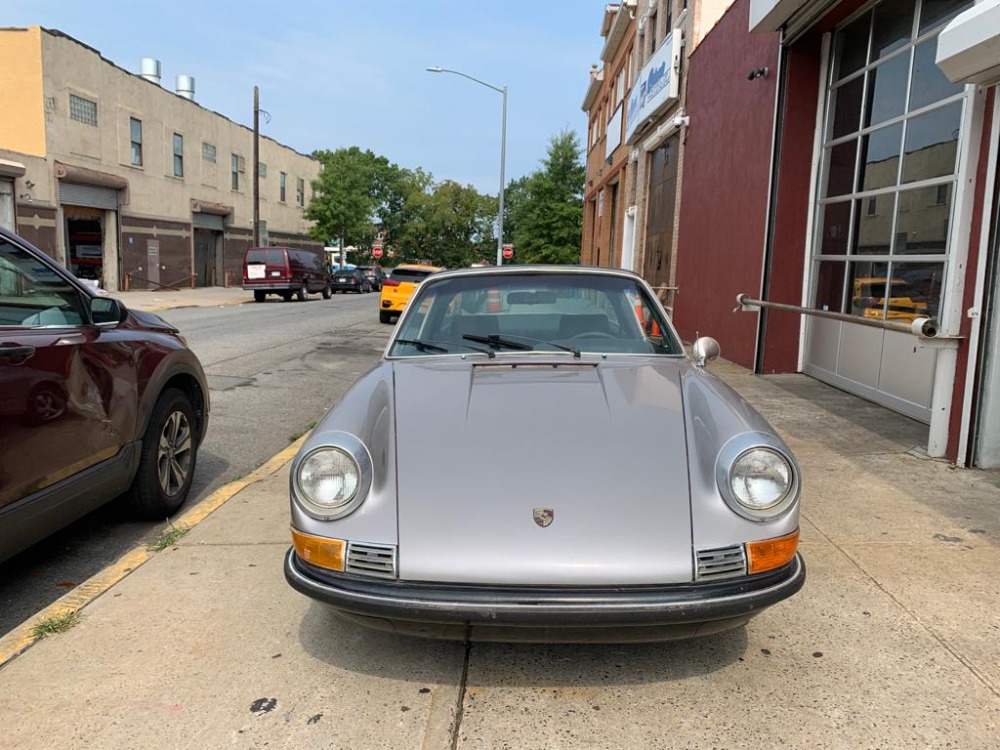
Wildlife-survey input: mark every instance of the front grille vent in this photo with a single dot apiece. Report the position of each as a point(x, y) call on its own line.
point(372, 560)
point(724, 562)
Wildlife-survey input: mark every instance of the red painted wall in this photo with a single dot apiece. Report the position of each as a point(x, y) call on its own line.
point(781, 336)
point(971, 269)
point(727, 157)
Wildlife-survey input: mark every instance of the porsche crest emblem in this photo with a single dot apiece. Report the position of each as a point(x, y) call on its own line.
point(543, 516)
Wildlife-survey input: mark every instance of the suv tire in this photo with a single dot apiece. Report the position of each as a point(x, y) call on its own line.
point(167, 458)
point(326, 292)
point(303, 291)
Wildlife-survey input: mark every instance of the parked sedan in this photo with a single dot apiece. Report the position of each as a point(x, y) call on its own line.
point(351, 280)
point(375, 275)
point(96, 401)
point(536, 458)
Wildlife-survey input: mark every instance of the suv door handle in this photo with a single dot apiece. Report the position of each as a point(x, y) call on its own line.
point(22, 353)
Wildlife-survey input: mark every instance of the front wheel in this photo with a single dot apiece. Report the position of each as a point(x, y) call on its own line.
point(167, 458)
point(301, 294)
point(326, 292)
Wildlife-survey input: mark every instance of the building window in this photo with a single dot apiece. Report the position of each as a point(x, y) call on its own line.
point(82, 110)
point(620, 87)
point(300, 192)
point(891, 139)
point(178, 155)
point(135, 133)
point(281, 187)
point(208, 152)
point(261, 169)
point(234, 165)
point(652, 33)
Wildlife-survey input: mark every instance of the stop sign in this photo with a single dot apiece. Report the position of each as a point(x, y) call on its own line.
point(376, 252)
point(508, 251)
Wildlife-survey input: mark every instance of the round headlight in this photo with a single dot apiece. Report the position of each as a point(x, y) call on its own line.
point(760, 479)
point(329, 478)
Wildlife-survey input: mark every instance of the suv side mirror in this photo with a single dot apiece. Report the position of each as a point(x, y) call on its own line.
point(705, 350)
point(107, 311)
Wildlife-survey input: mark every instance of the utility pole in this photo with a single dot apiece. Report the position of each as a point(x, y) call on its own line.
point(256, 166)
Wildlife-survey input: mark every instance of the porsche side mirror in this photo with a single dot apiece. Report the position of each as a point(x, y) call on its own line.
point(705, 350)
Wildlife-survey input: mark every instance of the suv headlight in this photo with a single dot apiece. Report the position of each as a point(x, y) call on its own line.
point(331, 481)
point(760, 479)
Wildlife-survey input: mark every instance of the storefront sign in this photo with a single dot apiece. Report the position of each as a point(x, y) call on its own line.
point(655, 87)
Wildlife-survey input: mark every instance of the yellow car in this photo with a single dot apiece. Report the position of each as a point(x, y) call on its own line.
point(399, 287)
point(869, 300)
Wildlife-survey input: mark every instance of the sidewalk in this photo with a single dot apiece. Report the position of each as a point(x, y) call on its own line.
point(169, 299)
point(893, 642)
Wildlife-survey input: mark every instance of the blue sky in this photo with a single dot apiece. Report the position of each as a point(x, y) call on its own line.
point(340, 73)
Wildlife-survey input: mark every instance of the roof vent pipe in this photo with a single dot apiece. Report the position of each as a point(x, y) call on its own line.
point(185, 87)
point(150, 69)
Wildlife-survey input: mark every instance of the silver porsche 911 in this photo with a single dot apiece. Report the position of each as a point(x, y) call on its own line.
point(535, 457)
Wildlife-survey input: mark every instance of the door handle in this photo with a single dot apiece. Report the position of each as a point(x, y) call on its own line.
point(22, 353)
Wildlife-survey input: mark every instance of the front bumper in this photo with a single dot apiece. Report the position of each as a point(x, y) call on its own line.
point(584, 613)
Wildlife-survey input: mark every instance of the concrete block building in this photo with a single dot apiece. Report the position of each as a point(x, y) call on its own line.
point(129, 182)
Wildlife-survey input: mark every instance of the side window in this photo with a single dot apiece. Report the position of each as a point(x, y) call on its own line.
point(32, 294)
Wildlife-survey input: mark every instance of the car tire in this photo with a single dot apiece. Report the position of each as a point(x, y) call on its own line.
point(259, 296)
point(326, 292)
point(167, 458)
point(287, 296)
point(300, 295)
point(384, 317)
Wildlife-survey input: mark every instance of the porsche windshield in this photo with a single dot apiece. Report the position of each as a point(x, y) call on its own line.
point(569, 313)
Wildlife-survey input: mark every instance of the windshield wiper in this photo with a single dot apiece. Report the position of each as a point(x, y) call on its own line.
point(431, 346)
point(505, 340)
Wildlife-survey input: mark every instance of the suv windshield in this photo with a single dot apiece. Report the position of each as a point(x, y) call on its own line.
point(535, 313)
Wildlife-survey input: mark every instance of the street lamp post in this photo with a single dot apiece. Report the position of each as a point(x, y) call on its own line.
point(502, 90)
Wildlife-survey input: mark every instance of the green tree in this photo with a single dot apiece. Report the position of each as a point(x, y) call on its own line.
point(447, 224)
point(547, 215)
point(349, 193)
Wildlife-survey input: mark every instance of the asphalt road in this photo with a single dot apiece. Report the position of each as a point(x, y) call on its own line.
point(273, 370)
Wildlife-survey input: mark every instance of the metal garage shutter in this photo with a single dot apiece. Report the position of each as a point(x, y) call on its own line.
point(208, 221)
point(91, 196)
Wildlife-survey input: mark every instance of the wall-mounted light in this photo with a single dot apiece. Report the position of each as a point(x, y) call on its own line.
point(25, 197)
point(29, 184)
point(758, 73)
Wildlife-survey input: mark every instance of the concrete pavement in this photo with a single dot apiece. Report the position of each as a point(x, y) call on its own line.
point(169, 299)
point(893, 643)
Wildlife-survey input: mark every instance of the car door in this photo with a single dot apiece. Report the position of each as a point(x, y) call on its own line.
point(69, 387)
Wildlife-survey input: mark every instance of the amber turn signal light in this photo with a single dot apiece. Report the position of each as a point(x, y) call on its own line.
point(319, 551)
point(772, 553)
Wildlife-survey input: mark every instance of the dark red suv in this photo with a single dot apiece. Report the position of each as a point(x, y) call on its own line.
point(96, 401)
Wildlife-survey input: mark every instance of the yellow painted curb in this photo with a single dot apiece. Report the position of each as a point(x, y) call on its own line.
point(20, 638)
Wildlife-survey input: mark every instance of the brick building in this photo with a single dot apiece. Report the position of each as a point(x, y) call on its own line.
point(636, 115)
point(125, 181)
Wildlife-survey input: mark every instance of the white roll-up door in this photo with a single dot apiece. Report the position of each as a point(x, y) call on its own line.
point(208, 221)
point(72, 194)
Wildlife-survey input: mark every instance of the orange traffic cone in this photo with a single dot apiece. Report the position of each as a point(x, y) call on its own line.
point(652, 328)
point(493, 300)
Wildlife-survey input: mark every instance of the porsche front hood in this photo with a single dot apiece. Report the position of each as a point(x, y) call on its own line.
point(601, 446)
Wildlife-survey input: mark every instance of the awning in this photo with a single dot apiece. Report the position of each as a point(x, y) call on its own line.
point(84, 176)
point(208, 207)
point(969, 47)
point(11, 168)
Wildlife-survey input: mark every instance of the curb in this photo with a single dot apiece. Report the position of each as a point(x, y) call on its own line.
point(21, 638)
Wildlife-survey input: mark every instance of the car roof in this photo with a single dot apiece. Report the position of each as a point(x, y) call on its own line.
point(417, 267)
point(538, 269)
